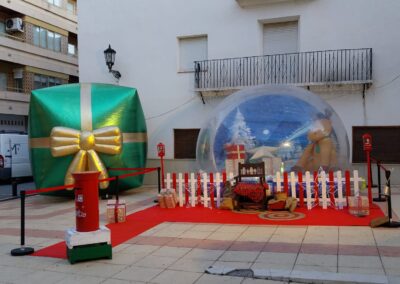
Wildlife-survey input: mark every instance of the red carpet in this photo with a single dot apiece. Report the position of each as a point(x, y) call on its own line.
point(141, 221)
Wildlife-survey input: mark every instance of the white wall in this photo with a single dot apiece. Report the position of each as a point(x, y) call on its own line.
point(144, 34)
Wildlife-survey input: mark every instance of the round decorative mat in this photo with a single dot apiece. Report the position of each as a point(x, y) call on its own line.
point(281, 215)
point(247, 211)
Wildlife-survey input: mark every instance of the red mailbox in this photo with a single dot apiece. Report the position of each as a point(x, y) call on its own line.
point(367, 142)
point(87, 201)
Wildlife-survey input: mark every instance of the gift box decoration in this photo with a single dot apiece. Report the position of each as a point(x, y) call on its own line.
point(116, 211)
point(235, 154)
point(167, 198)
point(358, 205)
point(86, 127)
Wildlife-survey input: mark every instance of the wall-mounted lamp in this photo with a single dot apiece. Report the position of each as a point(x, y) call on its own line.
point(109, 55)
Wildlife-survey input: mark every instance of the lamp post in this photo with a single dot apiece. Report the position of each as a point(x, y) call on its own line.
point(161, 154)
point(109, 55)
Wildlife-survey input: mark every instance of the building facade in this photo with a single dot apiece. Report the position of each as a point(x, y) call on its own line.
point(185, 56)
point(38, 48)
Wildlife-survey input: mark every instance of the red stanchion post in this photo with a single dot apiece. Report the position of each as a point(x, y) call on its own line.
point(367, 146)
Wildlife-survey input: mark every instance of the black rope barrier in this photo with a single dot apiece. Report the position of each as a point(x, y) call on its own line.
point(388, 193)
point(23, 250)
point(381, 196)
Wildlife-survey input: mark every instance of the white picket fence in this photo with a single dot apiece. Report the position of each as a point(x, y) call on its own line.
point(311, 190)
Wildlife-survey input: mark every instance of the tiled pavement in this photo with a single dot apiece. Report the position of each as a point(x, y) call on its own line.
point(180, 252)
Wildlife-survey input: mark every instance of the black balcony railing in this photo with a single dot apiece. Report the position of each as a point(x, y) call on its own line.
point(303, 68)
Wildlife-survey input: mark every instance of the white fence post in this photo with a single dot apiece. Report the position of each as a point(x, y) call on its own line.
point(324, 199)
point(192, 190)
point(308, 190)
point(205, 190)
point(180, 188)
point(293, 184)
point(278, 182)
point(230, 177)
point(356, 179)
point(218, 188)
point(168, 180)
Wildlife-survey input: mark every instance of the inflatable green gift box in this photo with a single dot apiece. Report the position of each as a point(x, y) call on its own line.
point(86, 127)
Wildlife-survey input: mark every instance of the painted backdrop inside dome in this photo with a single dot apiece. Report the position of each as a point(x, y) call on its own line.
point(287, 128)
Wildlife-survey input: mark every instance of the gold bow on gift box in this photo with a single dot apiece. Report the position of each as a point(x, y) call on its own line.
point(85, 145)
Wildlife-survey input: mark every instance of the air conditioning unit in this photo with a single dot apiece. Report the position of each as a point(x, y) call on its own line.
point(14, 25)
point(18, 73)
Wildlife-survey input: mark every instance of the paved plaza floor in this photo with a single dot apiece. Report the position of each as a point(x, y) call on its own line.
point(181, 252)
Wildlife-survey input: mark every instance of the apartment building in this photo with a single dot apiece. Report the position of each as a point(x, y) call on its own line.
point(38, 48)
point(186, 56)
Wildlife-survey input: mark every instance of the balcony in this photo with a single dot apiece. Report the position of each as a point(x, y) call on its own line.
point(16, 50)
point(327, 67)
point(14, 101)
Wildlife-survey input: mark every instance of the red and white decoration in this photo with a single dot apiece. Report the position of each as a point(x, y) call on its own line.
point(310, 189)
point(235, 154)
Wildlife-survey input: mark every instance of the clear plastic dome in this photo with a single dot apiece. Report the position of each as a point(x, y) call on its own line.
point(288, 128)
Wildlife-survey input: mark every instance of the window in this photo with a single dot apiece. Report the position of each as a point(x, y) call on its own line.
point(43, 38)
point(3, 81)
point(36, 36)
point(71, 49)
point(280, 38)
point(43, 81)
point(50, 40)
point(19, 85)
point(55, 2)
point(191, 49)
point(46, 39)
point(385, 146)
point(71, 6)
point(2, 27)
point(185, 141)
point(57, 42)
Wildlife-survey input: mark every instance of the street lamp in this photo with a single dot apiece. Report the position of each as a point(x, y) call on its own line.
point(161, 154)
point(109, 55)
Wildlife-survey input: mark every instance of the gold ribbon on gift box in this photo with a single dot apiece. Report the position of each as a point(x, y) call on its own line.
point(86, 143)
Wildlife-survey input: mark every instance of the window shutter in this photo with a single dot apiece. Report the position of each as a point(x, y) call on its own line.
point(185, 141)
point(191, 49)
point(385, 143)
point(280, 38)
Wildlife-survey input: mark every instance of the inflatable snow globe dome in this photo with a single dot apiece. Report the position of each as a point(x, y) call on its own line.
point(287, 128)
